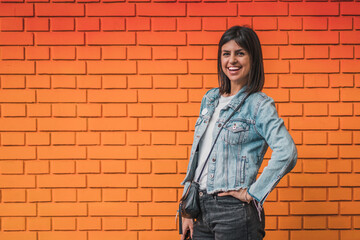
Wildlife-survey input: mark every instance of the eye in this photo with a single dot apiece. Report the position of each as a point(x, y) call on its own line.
point(226, 54)
point(241, 53)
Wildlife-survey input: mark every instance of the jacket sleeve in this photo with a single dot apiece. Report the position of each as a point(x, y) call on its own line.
point(269, 126)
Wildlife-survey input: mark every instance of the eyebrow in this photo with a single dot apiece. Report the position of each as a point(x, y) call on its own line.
point(240, 49)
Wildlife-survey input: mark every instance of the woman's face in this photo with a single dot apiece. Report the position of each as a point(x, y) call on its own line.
point(235, 62)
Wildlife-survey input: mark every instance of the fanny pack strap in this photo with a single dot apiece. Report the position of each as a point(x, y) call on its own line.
point(222, 126)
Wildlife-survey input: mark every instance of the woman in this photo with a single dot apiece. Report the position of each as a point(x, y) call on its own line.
point(231, 197)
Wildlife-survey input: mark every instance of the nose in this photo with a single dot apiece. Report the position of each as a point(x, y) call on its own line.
point(233, 59)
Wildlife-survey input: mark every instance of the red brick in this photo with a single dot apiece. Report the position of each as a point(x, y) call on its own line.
point(263, 9)
point(16, 9)
point(88, 52)
point(138, 24)
point(161, 9)
point(164, 53)
point(113, 209)
point(110, 38)
point(265, 23)
point(37, 24)
point(11, 24)
point(213, 9)
point(315, 23)
point(340, 23)
point(110, 9)
point(59, 38)
point(161, 38)
point(59, 10)
point(314, 95)
point(37, 53)
point(273, 38)
point(240, 21)
point(349, 37)
point(314, 9)
point(290, 23)
point(349, 8)
point(189, 24)
point(62, 24)
point(317, 151)
point(314, 37)
point(111, 152)
point(87, 24)
point(201, 38)
point(112, 24)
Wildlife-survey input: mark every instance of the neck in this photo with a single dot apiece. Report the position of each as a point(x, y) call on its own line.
point(235, 88)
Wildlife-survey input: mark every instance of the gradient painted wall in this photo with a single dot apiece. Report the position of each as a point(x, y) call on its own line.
point(99, 101)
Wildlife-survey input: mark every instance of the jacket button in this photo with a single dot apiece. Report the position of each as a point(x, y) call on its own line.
point(213, 159)
point(200, 194)
point(219, 125)
point(212, 175)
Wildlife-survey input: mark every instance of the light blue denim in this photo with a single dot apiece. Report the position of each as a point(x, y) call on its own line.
point(239, 151)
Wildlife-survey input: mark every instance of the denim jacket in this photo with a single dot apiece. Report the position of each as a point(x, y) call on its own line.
point(239, 151)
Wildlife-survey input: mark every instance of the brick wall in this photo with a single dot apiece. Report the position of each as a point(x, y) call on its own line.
point(99, 100)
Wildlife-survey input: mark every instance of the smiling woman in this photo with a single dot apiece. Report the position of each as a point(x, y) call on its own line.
point(236, 125)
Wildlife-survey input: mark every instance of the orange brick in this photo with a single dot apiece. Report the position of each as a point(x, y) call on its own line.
point(163, 138)
point(265, 23)
point(340, 137)
point(112, 24)
point(12, 81)
point(88, 81)
point(201, 38)
point(289, 194)
point(39, 223)
point(164, 223)
point(210, 53)
point(339, 194)
point(64, 223)
point(304, 234)
point(114, 223)
point(139, 81)
point(59, 82)
point(163, 53)
point(281, 235)
point(315, 123)
point(88, 52)
point(58, 235)
point(349, 66)
point(347, 122)
point(161, 152)
point(190, 52)
point(139, 223)
point(349, 208)
point(37, 24)
point(39, 195)
point(113, 209)
point(12, 167)
point(12, 24)
point(18, 209)
point(291, 81)
point(290, 222)
point(164, 166)
point(263, 9)
point(190, 81)
point(12, 53)
point(38, 81)
point(63, 53)
point(314, 222)
point(140, 110)
point(139, 166)
point(110, 9)
point(113, 52)
point(13, 195)
point(270, 52)
point(317, 151)
point(114, 195)
point(139, 195)
point(16, 38)
point(60, 166)
point(290, 109)
point(165, 195)
point(157, 209)
point(240, 21)
point(290, 23)
point(18, 235)
point(138, 138)
point(276, 208)
point(342, 51)
point(350, 94)
point(189, 24)
point(161, 38)
point(163, 124)
point(89, 223)
point(138, 24)
point(112, 124)
point(113, 110)
point(62, 124)
point(17, 181)
point(163, 180)
point(271, 223)
point(112, 235)
point(12, 139)
point(214, 24)
point(339, 165)
point(113, 166)
point(200, 66)
point(163, 24)
point(313, 208)
point(313, 180)
point(90, 166)
point(165, 110)
point(339, 222)
point(112, 180)
point(315, 137)
point(113, 138)
point(161, 9)
point(88, 110)
point(314, 194)
point(37, 167)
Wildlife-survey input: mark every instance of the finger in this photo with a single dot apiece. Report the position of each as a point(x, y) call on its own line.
point(191, 232)
point(182, 236)
point(225, 194)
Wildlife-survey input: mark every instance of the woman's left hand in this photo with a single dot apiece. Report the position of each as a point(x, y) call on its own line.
point(240, 194)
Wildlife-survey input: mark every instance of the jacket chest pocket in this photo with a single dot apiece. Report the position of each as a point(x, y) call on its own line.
point(235, 132)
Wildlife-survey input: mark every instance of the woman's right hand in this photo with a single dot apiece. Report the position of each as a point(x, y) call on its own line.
point(187, 223)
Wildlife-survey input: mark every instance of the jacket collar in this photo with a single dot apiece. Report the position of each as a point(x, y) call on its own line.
point(213, 98)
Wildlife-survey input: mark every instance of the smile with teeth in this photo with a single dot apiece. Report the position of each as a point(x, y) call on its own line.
point(234, 68)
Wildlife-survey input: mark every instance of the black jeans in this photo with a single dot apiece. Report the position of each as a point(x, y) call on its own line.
point(228, 218)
